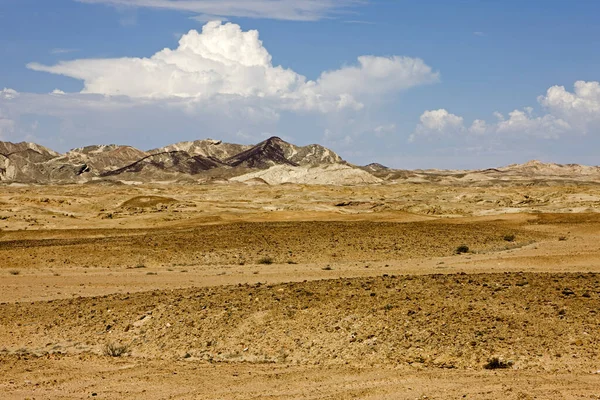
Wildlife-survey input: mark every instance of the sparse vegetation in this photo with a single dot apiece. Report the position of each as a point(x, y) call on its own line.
point(115, 349)
point(14, 272)
point(496, 363)
point(327, 268)
point(509, 238)
point(462, 249)
point(266, 260)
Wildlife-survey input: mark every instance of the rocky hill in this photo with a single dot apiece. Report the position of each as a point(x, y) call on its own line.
point(535, 167)
point(168, 165)
point(104, 157)
point(206, 148)
point(531, 172)
point(333, 174)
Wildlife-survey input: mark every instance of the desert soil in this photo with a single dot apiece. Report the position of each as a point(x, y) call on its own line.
point(237, 291)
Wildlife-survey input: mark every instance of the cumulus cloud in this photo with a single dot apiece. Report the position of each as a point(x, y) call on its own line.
point(437, 122)
point(524, 123)
point(297, 10)
point(224, 60)
point(576, 112)
point(8, 94)
point(581, 108)
point(478, 127)
point(378, 75)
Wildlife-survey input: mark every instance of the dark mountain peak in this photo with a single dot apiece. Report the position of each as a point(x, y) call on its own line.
point(264, 155)
point(275, 140)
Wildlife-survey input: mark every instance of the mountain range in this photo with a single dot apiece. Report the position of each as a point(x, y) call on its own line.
point(185, 161)
point(272, 161)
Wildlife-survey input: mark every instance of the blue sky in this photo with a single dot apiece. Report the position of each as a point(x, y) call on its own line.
point(441, 84)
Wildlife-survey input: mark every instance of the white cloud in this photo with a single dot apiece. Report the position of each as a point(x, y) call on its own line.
point(8, 94)
point(580, 108)
point(213, 84)
point(478, 127)
point(523, 123)
point(224, 60)
point(378, 75)
point(437, 122)
point(576, 112)
point(298, 10)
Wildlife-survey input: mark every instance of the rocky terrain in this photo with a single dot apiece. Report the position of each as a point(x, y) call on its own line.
point(409, 290)
point(213, 270)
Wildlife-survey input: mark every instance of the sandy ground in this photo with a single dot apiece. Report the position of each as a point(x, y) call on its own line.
point(236, 291)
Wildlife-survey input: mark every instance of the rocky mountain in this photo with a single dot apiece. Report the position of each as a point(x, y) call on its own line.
point(167, 165)
point(104, 158)
point(207, 148)
point(26, 149)
point(275, 151)
point(264, 155)
point(18, 161)
point(313, 154)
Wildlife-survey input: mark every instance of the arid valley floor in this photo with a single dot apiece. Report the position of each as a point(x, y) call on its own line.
point(238, 291)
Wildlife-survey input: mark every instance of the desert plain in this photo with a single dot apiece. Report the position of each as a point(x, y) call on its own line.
point(428, 289)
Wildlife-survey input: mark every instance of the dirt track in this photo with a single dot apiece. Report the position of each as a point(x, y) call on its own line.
point(299, 292)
